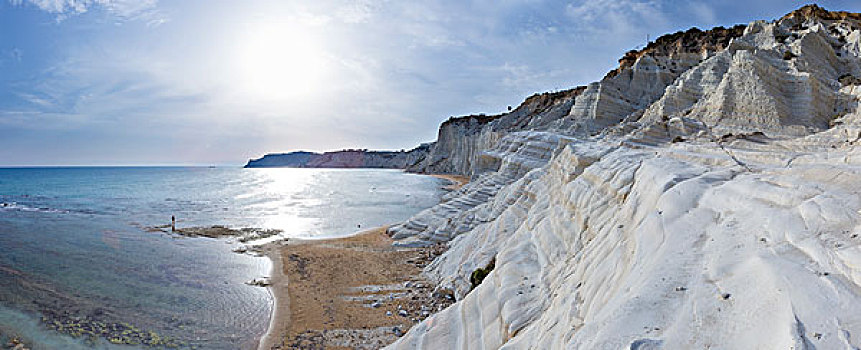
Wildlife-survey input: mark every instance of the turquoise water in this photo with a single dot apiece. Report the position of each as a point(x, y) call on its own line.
point(74, 246)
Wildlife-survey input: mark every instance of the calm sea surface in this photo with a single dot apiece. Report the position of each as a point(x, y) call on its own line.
point(73, 244)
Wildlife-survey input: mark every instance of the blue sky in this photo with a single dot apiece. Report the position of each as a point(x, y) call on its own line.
point(137, 82)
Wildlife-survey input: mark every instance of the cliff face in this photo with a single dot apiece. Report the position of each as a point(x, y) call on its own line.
point(292, 160)
point(341, 159)
point(702, 195)
point(461, 141)
point(623, 93)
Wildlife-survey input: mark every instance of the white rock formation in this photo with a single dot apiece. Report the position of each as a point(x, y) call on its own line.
point(713, 206)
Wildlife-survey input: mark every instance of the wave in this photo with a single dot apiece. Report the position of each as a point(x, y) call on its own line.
point(15, 206)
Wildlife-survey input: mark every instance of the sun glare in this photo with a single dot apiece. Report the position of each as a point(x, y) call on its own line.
point(280, 61)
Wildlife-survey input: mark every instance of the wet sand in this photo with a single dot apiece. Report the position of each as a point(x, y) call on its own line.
point(345, 293)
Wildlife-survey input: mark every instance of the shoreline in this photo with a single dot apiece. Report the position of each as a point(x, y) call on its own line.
point(279, 317)
point(457, 181)
point(356, 291)
point(365, 245)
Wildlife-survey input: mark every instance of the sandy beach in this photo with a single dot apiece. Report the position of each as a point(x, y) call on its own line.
point(457, 181)
point(352, 292)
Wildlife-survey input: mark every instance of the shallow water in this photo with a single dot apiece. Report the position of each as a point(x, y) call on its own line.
point(74, 246)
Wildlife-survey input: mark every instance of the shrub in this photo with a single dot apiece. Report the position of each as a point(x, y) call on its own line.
point(479, 274)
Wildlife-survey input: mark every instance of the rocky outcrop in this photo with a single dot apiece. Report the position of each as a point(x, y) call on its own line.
point(623, 93)
point(461, 141)
point(356, 158)
point(755, 86)
point(680, 44)
point(291, 160)
point(702, 195)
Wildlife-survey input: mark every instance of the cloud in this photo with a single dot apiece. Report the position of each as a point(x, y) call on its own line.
point(122, 10)
point(612, 18)
point(517, 76)
point(703, 13)
point(14, 55)
point(57, 6)
point(359, 11)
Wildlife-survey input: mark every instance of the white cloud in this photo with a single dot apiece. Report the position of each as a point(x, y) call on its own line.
point(57, 6)
point(40, 101)
point(617, 18)
point(123, 10)
point(704, 14)
point(358, 11)
point(128, 8)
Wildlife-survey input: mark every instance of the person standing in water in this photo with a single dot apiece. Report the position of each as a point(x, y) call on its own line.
point(172, 223)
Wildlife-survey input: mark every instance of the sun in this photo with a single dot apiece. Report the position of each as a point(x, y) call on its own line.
point(280, 61)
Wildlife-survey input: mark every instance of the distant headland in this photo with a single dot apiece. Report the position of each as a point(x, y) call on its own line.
point(348, 158)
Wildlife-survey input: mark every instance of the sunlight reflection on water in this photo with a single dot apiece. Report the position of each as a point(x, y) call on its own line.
point(84, 250)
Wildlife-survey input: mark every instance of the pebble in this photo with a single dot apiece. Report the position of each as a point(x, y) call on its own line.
point(388, 313)
point(402, 313)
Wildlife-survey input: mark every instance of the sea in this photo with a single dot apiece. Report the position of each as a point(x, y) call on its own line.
point(81, 266)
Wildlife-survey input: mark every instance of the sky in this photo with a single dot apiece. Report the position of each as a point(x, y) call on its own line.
point(200, 82)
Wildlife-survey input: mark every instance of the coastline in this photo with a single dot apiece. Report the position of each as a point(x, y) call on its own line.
point(457, 181)
point(373, 325)
point(279, 318)
point(356, 291)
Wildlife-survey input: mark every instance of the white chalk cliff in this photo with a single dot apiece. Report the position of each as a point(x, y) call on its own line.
point(706, 194)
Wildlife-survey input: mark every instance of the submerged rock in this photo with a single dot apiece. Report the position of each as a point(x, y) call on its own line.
point(243, 235)
point(260, 282)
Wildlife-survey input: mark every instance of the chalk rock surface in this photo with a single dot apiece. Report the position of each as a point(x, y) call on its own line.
point(703, 195)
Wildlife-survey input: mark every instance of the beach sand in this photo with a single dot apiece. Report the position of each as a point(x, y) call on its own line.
point(457, 181)
point(336, 293)
point(355, 292)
